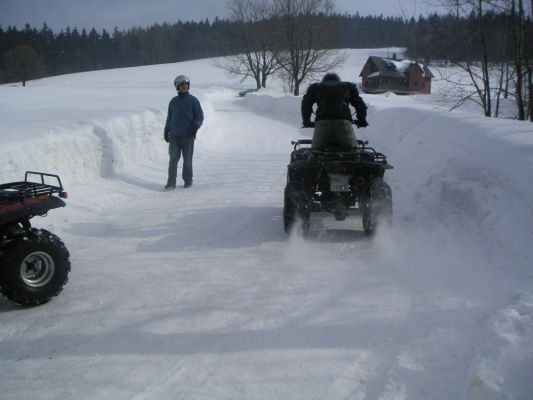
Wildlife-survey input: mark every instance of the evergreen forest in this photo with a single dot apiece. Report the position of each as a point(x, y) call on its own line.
point(32, 52)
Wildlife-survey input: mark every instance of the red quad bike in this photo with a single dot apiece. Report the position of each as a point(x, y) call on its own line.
point(339, 181)
point(34, 263)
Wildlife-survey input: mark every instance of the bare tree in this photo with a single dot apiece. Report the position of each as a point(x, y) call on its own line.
point(486, 91)
point(303, 30)
point(478, 69)
point(528, 45)
point(521, 54)
point(517, 15)
point(488, 72)
point(253, 21)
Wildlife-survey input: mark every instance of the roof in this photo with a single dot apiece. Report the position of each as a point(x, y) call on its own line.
point(427, 72)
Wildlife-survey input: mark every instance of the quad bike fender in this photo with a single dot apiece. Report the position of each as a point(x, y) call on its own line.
point(30, 206)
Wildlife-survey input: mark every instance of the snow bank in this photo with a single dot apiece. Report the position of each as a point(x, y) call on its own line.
point(505, 361)
point(95, 150)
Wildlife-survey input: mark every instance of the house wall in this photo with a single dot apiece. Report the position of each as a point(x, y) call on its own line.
point(416, 82)
point(367, 70)
point(385, 84)
point(427, 82)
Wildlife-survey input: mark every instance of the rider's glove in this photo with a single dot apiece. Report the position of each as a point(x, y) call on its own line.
point(361, 123)
point(165, 135)
point(308, 124)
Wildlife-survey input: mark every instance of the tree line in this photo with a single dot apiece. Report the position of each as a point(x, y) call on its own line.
point(30, 53)
point(72, 50)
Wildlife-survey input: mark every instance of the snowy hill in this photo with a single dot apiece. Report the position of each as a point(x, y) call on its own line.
point(199, 294)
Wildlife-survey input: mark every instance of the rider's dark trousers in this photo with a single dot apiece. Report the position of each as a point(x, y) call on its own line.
point(333, 132)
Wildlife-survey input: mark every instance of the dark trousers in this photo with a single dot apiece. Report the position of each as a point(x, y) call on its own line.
point(180, 145)
point(333, 132)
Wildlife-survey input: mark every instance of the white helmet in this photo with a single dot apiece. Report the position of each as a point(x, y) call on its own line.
point(181, 79)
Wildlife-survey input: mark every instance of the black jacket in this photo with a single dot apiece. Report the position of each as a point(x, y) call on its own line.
point(333, 99)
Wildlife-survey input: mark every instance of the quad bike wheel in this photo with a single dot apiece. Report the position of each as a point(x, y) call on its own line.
point(34, 268)
point(377, 208)
point(296, 209)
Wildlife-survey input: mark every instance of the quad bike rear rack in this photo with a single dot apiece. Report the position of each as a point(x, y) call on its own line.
point(361, 153)
point(32, 188)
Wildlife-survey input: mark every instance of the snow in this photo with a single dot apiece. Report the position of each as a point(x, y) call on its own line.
point(199, 294)
point(400, 66)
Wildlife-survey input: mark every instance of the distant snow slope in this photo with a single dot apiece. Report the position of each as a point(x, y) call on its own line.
point(199, 294)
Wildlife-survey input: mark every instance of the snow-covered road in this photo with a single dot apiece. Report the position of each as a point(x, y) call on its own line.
point(199, 294)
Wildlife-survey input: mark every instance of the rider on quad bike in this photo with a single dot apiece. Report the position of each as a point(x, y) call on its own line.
point(337, 174)
point(333, 122)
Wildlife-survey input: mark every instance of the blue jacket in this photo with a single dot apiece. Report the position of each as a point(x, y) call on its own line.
point(185, 115)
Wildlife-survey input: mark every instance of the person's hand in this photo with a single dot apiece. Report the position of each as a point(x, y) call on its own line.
point(194, 131)
point(361, 123)
point(165, 135)
point(308, 124)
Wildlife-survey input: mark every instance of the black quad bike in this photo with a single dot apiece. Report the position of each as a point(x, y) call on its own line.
point(338, 181)
point(34, 263)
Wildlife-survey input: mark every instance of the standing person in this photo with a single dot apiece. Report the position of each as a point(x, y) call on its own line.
point(184, 118)
point(333, 122)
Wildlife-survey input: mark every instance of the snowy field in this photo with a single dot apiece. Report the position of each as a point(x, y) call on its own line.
point(199, 294)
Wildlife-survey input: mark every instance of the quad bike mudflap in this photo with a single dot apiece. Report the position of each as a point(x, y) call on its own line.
point(339, 182)
point(34, 263)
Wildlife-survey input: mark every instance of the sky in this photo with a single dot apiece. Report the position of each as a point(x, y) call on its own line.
point(124, 14)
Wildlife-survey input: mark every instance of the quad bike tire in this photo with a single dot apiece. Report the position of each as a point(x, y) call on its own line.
point(34, 268)
point(296, 209)
point(377, 208)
